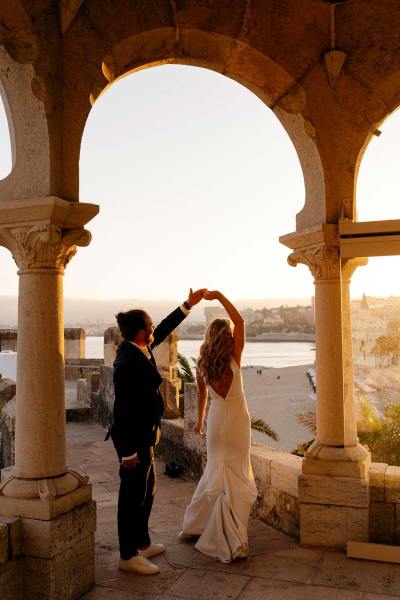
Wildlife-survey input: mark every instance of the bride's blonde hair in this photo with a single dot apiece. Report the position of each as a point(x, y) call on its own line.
point(216, 350)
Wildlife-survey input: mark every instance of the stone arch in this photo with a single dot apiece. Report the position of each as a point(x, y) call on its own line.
point(239, 61)
point(30, 176)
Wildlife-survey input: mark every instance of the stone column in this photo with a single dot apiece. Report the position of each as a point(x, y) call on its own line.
point(55, 503)
point(41, 253)
point(333, 489)
point(336, 449)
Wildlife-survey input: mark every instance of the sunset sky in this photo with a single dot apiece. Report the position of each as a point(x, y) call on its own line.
point(196, 179)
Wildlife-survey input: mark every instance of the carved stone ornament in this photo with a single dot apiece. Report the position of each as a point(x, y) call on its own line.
point(46, 246)
point(322, 260)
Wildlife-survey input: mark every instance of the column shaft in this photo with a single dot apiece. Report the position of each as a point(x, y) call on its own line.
point(40, 417)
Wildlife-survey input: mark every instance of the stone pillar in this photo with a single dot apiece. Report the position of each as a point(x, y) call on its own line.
point(166, 355)
point(112, 339)
point(43, 236)
point(8, 340)
point(74, 342)
point(333, 489)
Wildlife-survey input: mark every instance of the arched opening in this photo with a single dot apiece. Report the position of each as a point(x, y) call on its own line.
point(376, 301)
point(196, 179)
point(7, 144)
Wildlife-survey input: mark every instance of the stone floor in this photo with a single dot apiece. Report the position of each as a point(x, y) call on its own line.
point(278, 568)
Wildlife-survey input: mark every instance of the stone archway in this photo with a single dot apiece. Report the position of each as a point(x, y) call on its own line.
point(253, 69)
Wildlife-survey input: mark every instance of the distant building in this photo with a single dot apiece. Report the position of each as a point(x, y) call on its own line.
point(214, 312)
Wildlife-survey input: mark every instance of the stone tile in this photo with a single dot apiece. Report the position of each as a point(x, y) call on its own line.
point(336, 570)
point(280, 566)
point(261, 589)
point(265, 542)
point(104, 593)
point(149, 584)
point(184, 554)
point(203, 585)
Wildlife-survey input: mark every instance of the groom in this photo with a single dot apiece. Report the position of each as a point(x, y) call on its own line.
point(138, 408)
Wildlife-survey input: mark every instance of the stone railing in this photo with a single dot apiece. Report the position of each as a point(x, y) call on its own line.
point(74, 341)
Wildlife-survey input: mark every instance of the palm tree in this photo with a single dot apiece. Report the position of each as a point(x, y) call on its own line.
point(263, 427)
point(184, 369)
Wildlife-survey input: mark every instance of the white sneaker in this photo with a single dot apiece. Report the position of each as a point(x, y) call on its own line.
point(152, 550)
point(139, 564)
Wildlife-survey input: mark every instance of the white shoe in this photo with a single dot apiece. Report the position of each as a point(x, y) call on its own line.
point(139, 564)
point(152, 550)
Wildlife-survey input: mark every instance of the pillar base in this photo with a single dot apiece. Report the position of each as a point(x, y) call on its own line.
point(333, 510)
point(44, 509)
point(56, 557)
point(346, 461)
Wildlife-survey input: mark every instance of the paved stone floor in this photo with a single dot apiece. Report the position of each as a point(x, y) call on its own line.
point(278, 568)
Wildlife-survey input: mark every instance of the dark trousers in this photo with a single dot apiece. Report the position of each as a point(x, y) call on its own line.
point(136, 493)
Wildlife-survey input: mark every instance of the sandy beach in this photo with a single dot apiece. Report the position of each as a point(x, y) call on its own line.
point(277, 396)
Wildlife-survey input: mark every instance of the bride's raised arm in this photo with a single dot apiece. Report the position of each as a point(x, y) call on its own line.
point(236, 318)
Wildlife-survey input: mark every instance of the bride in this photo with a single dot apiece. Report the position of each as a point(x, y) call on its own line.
point(220, 507)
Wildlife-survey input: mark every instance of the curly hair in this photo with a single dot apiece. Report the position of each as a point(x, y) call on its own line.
point(216, 351)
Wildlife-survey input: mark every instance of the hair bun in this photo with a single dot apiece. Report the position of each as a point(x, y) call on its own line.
point(121, 318)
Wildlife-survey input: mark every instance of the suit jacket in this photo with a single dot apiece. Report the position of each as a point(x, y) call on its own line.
point(138, 405)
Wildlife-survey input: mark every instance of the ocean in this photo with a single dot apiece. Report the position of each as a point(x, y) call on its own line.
point(260, 354)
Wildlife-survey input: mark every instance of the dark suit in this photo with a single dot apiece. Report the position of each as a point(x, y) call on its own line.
point(138, 408)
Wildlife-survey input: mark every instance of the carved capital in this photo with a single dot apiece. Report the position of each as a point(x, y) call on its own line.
point(45, 246)
point(323, 260)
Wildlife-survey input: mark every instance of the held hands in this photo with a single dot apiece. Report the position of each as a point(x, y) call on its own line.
point(194, 297)
point(212, 295)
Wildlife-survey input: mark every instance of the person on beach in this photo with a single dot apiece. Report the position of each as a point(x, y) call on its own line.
point(135, 431)
point(220, 507)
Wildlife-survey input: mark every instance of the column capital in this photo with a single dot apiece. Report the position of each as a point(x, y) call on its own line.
point(316, 247)
point(43, 233)
point(45, 246)
point(322, 260)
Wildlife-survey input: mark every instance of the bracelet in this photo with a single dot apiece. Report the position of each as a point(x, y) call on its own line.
point(187, 305)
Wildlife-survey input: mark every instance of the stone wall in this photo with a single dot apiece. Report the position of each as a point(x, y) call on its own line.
point(8, 340)
point(76, 368)
point(7, 422)
point(74, 341)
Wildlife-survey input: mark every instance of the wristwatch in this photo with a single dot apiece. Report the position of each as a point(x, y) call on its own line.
point(187, 305)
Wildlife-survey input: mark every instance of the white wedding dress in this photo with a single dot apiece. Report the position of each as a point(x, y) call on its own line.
point(220, 507)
